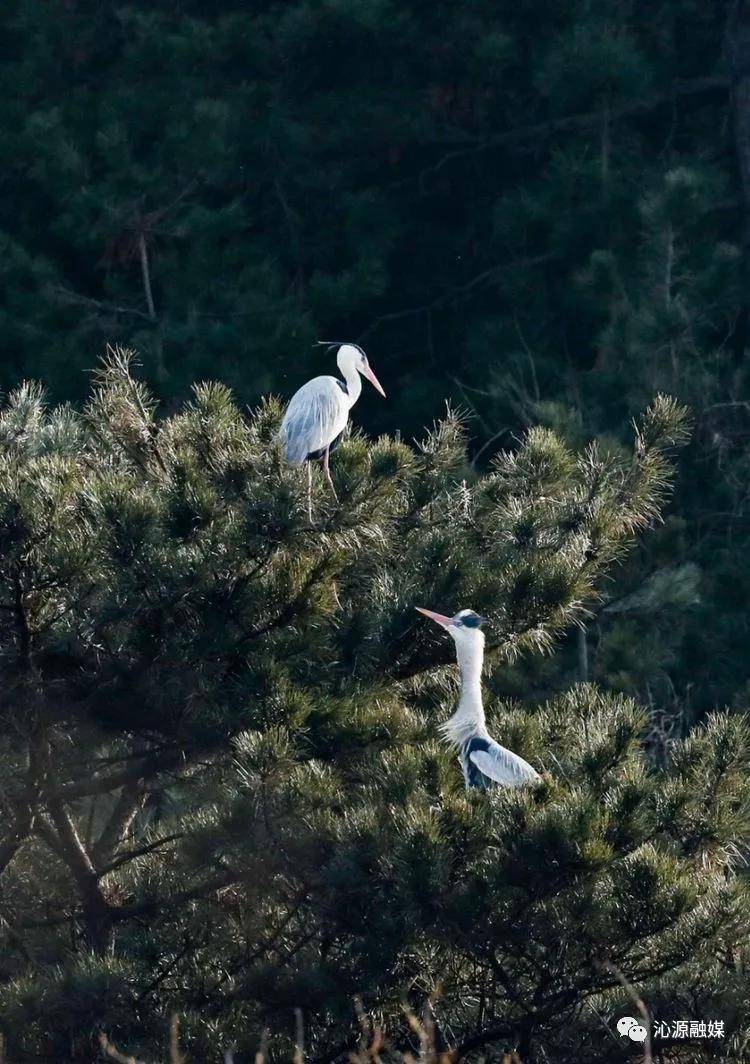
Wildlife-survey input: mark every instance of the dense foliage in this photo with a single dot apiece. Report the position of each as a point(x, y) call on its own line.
point(531, 207)
point(219, 742)
point(217, 736)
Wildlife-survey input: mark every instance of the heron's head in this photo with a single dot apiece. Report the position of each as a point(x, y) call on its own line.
point(350, 357)
point(465, 627)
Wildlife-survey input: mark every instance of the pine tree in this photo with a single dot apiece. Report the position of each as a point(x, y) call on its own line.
point(490, 197)
point(223, 793)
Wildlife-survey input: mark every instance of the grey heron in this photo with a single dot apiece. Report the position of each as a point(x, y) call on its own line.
point(485, 763)
point(318, 413)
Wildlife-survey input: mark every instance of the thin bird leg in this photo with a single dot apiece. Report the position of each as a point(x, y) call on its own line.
point(327, 471)
point(309, 491)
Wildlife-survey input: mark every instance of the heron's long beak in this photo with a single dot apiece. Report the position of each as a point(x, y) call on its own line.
point(373, 380)
point(438, 617)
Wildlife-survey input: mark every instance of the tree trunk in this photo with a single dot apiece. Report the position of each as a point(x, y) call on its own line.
point(97, 914)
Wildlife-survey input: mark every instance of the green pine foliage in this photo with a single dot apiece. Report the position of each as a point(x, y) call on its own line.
point(221, 789)
point(531, 207)
point(223, 793)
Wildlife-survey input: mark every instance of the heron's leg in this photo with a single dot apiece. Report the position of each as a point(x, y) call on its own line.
point(327, 471)
point(309, 491)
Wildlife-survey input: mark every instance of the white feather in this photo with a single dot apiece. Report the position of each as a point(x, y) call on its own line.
point(315, 416)
point(503, 766)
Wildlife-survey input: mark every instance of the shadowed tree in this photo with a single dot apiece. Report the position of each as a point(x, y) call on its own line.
point(222, 788)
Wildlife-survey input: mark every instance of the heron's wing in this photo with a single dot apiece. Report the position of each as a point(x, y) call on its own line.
point(316, 414)
point(503, 766)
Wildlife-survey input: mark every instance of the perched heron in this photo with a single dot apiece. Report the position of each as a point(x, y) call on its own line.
point(318, 413)
point(484, 762)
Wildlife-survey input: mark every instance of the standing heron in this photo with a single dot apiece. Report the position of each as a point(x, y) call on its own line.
point(484, 762)
point(318, 413)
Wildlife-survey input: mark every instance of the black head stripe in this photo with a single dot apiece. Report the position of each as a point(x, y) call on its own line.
point(334, 345)
point(330, 345)
point(472, 620)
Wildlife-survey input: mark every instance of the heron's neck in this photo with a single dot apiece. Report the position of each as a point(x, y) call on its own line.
point(468, 720)
point(353, 384)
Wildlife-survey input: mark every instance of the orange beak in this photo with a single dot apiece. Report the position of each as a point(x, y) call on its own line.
point(439, 618)
point(367, 372)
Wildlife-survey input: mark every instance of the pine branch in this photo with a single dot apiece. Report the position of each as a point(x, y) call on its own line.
point(291, 609)
point(114, 1053)
point(68, 844)
point(580, 123)
point(126, 808)
point(44, 830)
point(147, 769)
point(98, 304)
point(140, 851)
point(12, 842)
point(457, 293)
point(146, 274)
point(22, 621)
point(608, 966)
point(17, 940)
point(482, 1039)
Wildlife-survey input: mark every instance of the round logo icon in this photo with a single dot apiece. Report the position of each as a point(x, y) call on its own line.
point(628, 1026)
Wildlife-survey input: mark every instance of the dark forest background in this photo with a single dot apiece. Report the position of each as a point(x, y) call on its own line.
point(534, 209)
point(538, 211)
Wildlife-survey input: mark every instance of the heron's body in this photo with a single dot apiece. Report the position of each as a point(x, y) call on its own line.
point(317, 414)
point(485, 763)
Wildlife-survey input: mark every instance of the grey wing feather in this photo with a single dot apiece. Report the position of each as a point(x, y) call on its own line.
point(503, 766)
point(313, 418)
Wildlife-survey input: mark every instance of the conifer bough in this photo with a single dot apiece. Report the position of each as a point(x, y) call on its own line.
point(221, 792)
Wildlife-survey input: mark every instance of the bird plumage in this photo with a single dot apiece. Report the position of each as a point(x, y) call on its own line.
point(315, 417)
point(317, 414)
point(485, 763)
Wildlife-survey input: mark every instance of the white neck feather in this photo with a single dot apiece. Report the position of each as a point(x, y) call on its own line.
point(469, 718)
